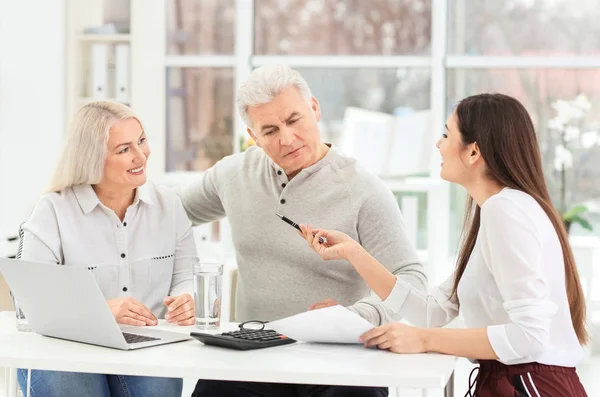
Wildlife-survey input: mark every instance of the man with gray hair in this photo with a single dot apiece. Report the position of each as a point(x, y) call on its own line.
point(292, 172)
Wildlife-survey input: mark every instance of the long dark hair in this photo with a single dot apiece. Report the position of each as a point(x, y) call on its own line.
point(506, 138)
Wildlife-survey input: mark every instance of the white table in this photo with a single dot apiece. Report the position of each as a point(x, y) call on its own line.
point(351, 365)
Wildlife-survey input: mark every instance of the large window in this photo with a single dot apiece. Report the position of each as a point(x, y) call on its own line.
point(199, 117)
point(390, 56)
point(342, 27)
point(200, 93)
point(524, 27)
point(203, 64)
point(542, 91)
point(200, 27)
point(382, 89)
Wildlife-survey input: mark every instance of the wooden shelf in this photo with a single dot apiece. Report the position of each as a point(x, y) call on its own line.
point(84, 100)
point(105, 38)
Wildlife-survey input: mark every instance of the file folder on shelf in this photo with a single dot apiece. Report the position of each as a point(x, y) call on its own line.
point(122, 72)
point(99, 71)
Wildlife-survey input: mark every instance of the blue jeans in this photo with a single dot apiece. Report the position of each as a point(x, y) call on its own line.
point(75, 384)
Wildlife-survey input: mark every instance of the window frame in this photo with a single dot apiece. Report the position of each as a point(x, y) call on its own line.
point(149, 33)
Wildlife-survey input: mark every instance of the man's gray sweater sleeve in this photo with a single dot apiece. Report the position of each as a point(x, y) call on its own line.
point(382, 233)
point(202, 198)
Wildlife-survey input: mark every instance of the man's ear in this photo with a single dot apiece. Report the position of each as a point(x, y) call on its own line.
point(249, 131)
point(316, 108)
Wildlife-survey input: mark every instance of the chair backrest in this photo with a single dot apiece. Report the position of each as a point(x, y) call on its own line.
point(20, 248)
point(6, 303)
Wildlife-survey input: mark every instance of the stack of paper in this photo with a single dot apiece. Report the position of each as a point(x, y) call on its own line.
point(334, 324)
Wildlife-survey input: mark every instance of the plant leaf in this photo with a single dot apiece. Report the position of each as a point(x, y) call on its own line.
point(574, 212)
point(583, 222)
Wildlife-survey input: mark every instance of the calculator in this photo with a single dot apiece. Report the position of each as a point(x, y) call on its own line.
point(244, 339)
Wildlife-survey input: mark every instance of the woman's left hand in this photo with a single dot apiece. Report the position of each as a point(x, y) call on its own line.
point(180, 309)
point(396, 337)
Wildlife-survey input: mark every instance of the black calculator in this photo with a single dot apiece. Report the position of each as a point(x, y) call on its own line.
point(244, 339)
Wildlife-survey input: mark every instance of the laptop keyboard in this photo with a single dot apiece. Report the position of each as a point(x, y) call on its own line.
point(134, 338)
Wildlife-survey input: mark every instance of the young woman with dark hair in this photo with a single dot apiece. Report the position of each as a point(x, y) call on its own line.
point(516, 282)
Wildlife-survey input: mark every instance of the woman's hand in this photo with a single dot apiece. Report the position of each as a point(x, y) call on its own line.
point(131, 312)
point(338, 245)
point(180, 309)
point(396, 337)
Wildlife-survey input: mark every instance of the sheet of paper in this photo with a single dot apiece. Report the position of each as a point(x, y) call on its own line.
point(334, 324)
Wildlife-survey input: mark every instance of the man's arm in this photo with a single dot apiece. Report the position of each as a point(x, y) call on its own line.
point(185, 253)
point(202, 199)
point(382, 233)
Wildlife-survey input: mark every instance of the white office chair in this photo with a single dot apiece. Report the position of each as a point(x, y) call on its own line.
point(233, 284)
point(5, 299)
point(6, 304)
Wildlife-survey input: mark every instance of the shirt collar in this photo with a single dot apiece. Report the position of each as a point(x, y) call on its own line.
point(86, 197)
point(327, 159)
point(144, 193)
point(88, 200)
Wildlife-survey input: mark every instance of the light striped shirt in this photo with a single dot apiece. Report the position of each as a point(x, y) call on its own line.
point(147, 256)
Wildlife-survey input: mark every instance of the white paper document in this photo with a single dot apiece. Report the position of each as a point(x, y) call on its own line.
point(334, 324)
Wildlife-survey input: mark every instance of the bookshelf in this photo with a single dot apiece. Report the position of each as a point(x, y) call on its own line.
point(106, 38)
point(140, 24)
point(84, 69)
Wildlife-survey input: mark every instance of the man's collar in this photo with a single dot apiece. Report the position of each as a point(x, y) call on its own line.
point(325, 160)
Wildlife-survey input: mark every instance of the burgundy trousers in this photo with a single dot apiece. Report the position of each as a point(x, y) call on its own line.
point(526, 380)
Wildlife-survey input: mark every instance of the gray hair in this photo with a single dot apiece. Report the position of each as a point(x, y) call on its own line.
point(264, 84)
point(84, 152)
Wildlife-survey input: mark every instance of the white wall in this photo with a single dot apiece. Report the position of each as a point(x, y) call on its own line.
point(32, 96)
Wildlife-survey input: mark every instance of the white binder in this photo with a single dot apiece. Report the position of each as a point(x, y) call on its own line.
point(122, 72)
point(99, 70)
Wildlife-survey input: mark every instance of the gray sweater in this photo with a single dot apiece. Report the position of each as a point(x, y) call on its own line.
point(279, 275)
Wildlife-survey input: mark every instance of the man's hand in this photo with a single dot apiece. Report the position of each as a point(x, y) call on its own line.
point(324, 303)
point(180, 309)
point(131, 312)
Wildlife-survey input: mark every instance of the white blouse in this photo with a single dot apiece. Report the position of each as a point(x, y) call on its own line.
point(514, 285)
point(147, 256)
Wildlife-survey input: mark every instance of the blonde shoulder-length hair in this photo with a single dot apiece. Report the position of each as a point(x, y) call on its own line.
point(84, 151)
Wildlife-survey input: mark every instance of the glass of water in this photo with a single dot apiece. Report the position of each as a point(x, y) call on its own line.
point(22, 324)
point(208, 289)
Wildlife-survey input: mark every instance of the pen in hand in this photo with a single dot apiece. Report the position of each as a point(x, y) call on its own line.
point(295, 225)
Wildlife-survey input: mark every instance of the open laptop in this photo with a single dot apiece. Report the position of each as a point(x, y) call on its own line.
point(65, 302)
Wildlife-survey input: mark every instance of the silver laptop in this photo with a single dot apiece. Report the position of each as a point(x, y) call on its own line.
point(65, 302)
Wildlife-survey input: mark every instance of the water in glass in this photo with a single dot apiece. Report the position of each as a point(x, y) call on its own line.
point(207, 295)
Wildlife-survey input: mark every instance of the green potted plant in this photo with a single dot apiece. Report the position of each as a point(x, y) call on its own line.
point(567, 124)
point(576, 215)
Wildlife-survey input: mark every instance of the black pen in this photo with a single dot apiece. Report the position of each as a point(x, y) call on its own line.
point(295, 225)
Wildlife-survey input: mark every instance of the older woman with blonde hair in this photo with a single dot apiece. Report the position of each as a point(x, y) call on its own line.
point(135, 238)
